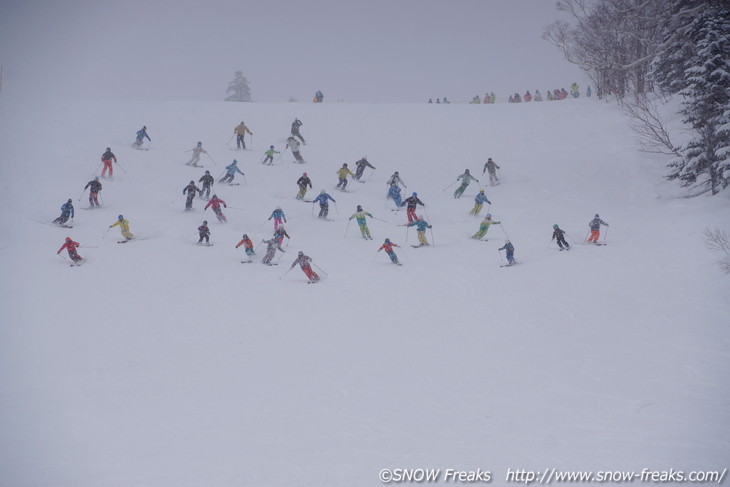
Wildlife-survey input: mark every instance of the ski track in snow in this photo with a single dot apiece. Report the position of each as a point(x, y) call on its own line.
point(158, 363)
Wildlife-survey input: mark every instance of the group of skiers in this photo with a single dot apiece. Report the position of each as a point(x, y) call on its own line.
point(278, 216)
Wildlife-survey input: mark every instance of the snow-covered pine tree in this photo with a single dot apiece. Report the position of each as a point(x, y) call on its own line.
point(694, 63)
point(238, 88)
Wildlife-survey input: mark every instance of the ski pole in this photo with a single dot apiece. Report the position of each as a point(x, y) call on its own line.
point(251, 141)
point(102, 200)
point(376, 255)
point(244, 179)
point(312, 208)
point(407, 228)
point(605, 234)
point(348, 227)
point(500, 256)
point(586, 237)
point(426, 212)
point(105, 233)
point(450, 185)
point(433, 240)
point(211, 159)
point(171, 202)
point(505, 232)
point(229, 140)
point(287, 272)
point(88, 247)
point(97, 168)
point(259, 245)
point(318, 267)
point(371, 174)
point(120, 167)
point(380, 219)
point(336, 209)
point(234, 208)
point(82, 193)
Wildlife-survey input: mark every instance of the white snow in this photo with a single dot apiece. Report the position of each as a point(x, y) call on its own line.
point(162, 363)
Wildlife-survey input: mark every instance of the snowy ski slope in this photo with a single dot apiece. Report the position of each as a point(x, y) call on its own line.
point(162, 363)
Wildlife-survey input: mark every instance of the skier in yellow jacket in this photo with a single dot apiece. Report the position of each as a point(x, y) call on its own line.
point(342, 174)
point(240, 131)
point(124, 226)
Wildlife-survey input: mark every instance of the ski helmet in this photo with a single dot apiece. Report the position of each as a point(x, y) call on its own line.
point(109, 149)
point(68, 239)
point(305, 175)
point(214, 196)
point(96, 178)
point(322, 192)
point(207, 172)
point(205, 222)
point(344, 165)
point(420, 217)
point(596, 215)
point(199, 144)
point(506, 242)
point(69, 200)
point(144, 127)
point(555, 226)
point(120, 217)
point(271, 147)
point(489, 159)
point(245, 236)
point(488, 215)
point(415, 195)
point(242, 122)
point(364, 158)
point(466, 171)
point(395, 173)
point(301, 253)
point(192, 182)
point(359, 208)
point(278, 207)
point(481, 190)
point(234, 161)
point(387, 240)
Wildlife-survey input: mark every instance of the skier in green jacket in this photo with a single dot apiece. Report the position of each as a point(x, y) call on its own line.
point(465, 180)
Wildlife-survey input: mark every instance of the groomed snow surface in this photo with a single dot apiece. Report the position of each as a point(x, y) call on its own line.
point(163, 363)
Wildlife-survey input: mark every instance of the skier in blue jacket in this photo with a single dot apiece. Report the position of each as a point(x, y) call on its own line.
point(479, 202)
point(421, 226)
point(141, 134)
point(278, 215)
point(394, 193)
point(510, 252)
point(323, 200)
point(67, 210)
point(231, 171)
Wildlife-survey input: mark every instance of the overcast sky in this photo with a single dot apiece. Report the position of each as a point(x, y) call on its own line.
point(374, 50)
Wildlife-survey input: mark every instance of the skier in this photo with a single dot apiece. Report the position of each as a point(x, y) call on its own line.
point(342, 175)
point(361, 215)
point(479, 202)
point(197, 150)
point(269, 159)
point(388, 247)
point(560, 236)
point(361, 165)
point(71, 247)
point(279, 235)
point(67, 210)
point(588, 92)
point(204, 233)
point(421, 226)
point(191, 190)
point(595, 225)
point(303, 182)
point(318, 97)
point(510, 252)
point(295, 130)
point(231, 171)
point(394, 194)
point(412, 202)
point(271, 247)
point(278, 215)
point(538, 95)
point(247, 246)
point(141, 134)
point(492, 167)
point(395, 180)
point(574, 90)
point(107, 158)
point(240, 130)
point(465, 180)
point(484, 227)
point(304, 263)
point(207, 181)
point(323, 200)
point(293, 144)
point(216, 203)
point(94, 187)
point(124, 227)
point(528, 97)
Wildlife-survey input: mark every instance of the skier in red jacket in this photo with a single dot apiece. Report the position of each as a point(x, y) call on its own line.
point(216, 203)
point(71, 246)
